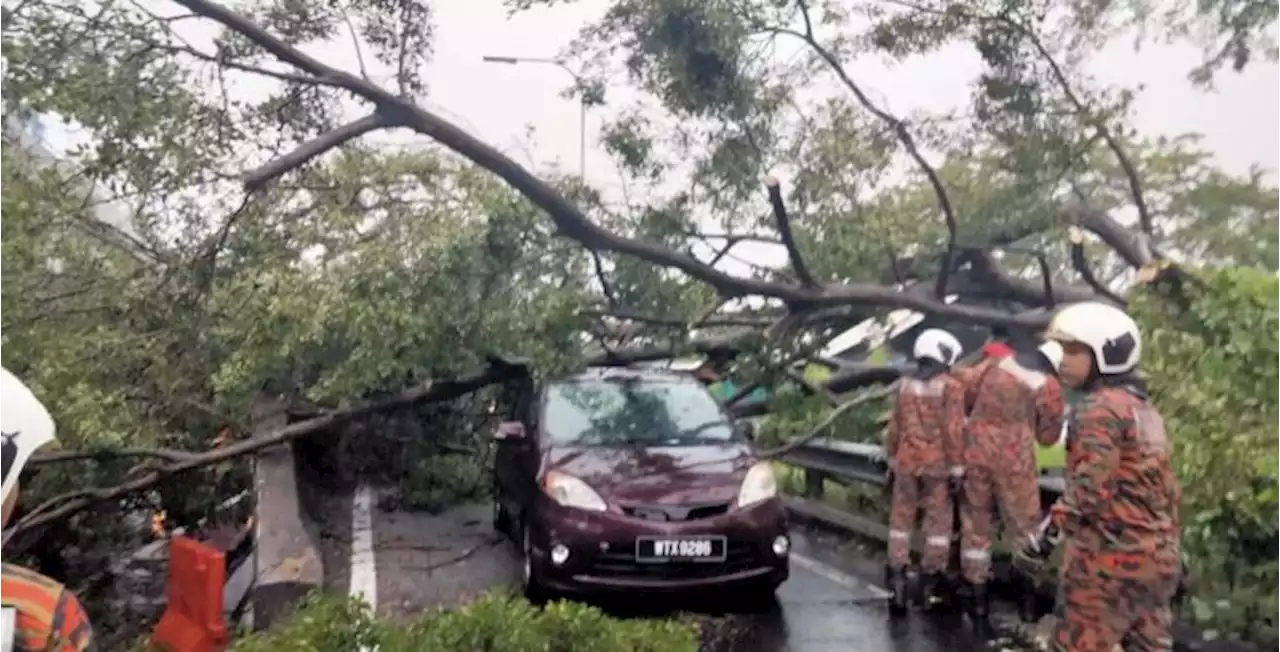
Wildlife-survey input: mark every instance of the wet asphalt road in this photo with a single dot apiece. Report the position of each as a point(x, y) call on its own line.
point(404, 563)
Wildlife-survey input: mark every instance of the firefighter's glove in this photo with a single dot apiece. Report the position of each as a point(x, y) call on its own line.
point(1031, 557)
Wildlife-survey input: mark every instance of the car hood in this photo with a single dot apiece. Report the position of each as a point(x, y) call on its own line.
point(668, 475)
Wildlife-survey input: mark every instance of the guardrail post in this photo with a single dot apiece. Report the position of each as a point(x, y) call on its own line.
point(813, 483)
point(288, 562)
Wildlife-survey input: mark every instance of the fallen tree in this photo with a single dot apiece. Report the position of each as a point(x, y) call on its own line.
point(60, 507)
point(325, 274)
point(807, 306)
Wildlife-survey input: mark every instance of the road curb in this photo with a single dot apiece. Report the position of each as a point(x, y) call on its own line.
point(1186, 637)
point(288, 562)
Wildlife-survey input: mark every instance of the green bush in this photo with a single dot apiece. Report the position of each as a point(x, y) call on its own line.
point(496, 622)
point(1213, 375)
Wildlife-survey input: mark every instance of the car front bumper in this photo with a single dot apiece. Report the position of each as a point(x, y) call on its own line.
point(602, 550)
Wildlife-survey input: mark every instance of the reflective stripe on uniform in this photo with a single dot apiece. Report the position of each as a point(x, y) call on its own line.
point(8, 623)
point(938, 541)
point(899, 534)
point(976, 554)
point(43, 611)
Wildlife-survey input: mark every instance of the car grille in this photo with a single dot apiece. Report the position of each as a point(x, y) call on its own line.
point(620, 562)
point(675, 512)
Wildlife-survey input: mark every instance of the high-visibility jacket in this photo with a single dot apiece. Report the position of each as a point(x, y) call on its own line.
point(40, 614)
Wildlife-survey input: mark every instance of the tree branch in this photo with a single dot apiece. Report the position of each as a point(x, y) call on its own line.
point(426, 392)
point(1145, 219)
point(675, 322)
point(258, 178)
point(1126, 164)
point(605, 286)
point(903, 134)
point(818, 430)
point(1081, 265)
point(223, 60)
point(57, 457)
point(784, 232)
point(571, 222)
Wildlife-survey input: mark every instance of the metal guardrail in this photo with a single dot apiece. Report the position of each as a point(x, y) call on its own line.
point(849, 463)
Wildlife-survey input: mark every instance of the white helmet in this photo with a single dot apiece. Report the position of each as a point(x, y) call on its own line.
point(1052, 351)
point(937, 344)
point(26, 426)
point(1111, 334)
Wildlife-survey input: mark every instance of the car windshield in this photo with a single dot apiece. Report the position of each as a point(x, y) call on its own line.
point(634, 411)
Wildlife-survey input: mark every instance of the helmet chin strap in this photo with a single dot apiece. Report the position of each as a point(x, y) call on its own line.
point(927, 368)
point(1131, 381)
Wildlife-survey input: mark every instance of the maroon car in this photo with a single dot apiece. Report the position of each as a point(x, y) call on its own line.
point(621, 480)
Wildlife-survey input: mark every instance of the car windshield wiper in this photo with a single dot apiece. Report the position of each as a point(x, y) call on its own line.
point(692, 433)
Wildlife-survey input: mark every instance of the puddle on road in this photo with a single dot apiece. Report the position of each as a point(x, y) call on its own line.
point(833, 610)
point(813, 613)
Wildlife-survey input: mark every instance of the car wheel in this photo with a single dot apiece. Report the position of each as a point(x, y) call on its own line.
point(532, 588)
point(762, 598)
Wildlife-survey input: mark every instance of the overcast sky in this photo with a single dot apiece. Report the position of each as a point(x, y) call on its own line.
point(498, 102)
point(1240, 121)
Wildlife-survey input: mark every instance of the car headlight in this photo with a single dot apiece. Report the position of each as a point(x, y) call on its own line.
point(571, 492)
point(759, 485)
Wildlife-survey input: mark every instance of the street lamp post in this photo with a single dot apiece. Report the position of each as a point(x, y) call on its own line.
point(582, 100)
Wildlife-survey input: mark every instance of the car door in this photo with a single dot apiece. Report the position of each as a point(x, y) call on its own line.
point(511, 477)
point(525, 455)
point(504, 453)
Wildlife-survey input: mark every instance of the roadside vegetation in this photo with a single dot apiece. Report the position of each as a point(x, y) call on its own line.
point(496, 623)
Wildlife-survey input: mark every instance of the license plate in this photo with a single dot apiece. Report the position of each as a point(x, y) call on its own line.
point(664, 549)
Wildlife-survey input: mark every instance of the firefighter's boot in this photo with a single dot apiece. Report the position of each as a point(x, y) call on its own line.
point(896, 580)
point(931, 585)
point(979, 609)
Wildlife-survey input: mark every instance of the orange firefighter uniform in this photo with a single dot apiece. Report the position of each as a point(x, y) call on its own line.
point(46, 617)
point(924, 441)
point(1119, 522)
point(1012, 403)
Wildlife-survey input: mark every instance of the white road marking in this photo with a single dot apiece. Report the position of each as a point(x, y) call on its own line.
point(837, 576)
point(364, 570)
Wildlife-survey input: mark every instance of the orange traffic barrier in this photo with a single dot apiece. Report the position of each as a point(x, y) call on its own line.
point(193, 621)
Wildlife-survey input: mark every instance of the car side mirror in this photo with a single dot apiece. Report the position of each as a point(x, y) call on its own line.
point(510, 432)
point(747, 429)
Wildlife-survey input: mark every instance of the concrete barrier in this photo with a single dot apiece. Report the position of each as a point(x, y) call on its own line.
point(287, 561)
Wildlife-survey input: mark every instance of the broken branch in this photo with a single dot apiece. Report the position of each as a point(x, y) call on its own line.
point(425, 392)
point(1081, 265)
point(784, 232)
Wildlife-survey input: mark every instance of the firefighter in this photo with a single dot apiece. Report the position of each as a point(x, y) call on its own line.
point(1121, 561)
point(923, 443)
point(1012, 401)
point(39, 613)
